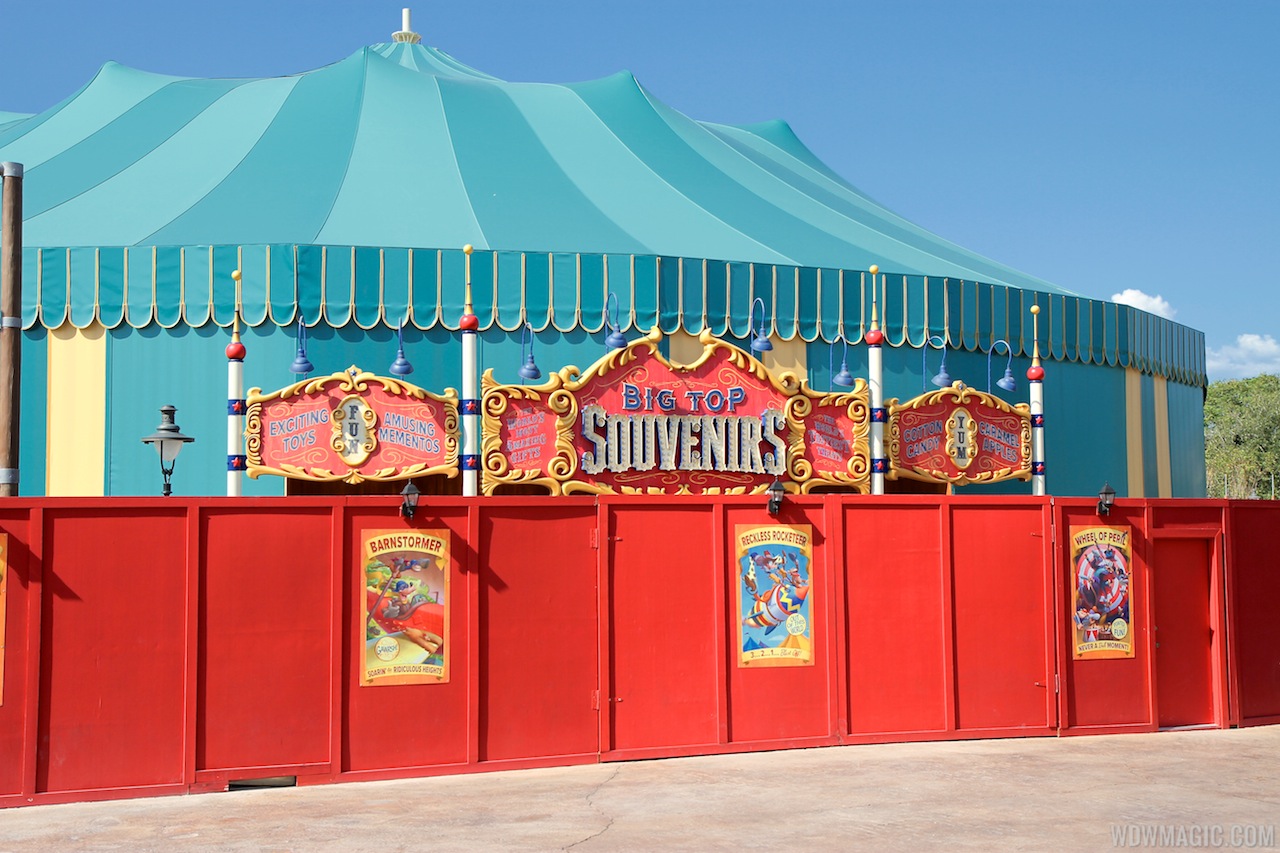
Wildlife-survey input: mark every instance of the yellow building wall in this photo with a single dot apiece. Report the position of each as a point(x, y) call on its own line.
point(77, 413)
point(1133, 431)
point(1164, 471)
point(1135, 441)
point(785, 355)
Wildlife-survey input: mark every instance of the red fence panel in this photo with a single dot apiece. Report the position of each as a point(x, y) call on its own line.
point(1115, 694)
point(114, 681)
point(1182, 629)
point(663, 627)
point(266, 644)
point(539, 666)
point(784, 703)
point(389, 729)
point(1003, 606)
point(1253, 594)
point(896, 590)
point(20, 650)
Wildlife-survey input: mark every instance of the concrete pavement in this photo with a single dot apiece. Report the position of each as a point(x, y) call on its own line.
point(1221, 788)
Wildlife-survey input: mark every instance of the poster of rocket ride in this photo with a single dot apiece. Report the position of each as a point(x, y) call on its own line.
point(774, 595)
point(405, 630)
point(1101, 593)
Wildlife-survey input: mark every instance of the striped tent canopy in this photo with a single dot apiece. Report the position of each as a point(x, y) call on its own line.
point(368, 287)
point(402, 145)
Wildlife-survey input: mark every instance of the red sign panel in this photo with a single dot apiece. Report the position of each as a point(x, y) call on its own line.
point(636, 422)
point(834, 430)
point(959, 435)
point(351, 426)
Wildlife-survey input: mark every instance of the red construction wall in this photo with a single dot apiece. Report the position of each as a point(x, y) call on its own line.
point(396, 727)
point(1178, 562)
point(267, 646)
point(663, 628)
point(538, 649)
point(1113, 694)
point(17, 727)
point(1253, 597)
point(896, 610)
point(160, 646)
point(795, 704)
point(1003, 603)
point(114, 620)
point(949, 619)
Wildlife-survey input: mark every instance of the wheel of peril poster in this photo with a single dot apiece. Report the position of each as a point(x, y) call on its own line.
point(406, 624)
point(774, 595)
point(1102, 592)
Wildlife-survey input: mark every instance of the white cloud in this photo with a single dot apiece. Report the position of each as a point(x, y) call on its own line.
point(1252, 355)
point(1157, 304)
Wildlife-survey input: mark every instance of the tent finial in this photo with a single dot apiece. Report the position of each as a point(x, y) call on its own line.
point(406, 34)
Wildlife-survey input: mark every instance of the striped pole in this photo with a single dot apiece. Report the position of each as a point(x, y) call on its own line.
point(875, 379)
point(1035, 376)
point(470, 403)
point(235, 400)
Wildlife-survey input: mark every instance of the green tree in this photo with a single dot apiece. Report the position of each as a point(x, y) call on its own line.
point(1242, 436)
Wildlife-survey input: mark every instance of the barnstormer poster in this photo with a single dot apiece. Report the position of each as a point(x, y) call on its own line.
point(774, 595)
point(405, 631)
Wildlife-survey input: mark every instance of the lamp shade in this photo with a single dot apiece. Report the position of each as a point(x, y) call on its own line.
point(167, 439)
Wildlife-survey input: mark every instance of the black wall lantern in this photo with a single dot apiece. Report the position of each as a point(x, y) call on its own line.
point(409, 500)
point(775, 493)
point(1106, 498)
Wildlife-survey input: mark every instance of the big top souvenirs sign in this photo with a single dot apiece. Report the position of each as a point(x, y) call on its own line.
point(351, 426)
point(636, 422)
point(959, 435)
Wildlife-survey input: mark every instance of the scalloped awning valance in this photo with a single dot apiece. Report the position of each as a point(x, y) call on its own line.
point(340, 285)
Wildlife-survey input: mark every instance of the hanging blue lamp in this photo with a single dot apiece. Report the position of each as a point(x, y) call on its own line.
point(401, 366)
point(1007, 382)
point(615, 339)
point(942, 379)
point(301, 364)
point(528, 370)
point(844, 378)
point(761, 342)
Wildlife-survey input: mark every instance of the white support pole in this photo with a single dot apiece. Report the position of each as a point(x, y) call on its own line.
point(236, 462)
point(470, 402)
point(875, 381)
point(1035, 377)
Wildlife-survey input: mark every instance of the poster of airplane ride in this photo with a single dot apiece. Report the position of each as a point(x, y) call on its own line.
point(774, 595)
point(406, 626)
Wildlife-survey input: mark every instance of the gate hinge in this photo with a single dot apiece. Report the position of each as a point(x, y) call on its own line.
point(595, 700)
point(1056, 683)
point(595, 538)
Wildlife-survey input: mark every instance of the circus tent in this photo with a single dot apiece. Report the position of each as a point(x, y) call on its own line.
point(345, 193)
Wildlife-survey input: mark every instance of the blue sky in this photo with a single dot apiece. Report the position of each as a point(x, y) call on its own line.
point(1108, 147)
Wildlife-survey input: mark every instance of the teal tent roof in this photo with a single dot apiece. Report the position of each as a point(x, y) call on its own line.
point(400, 145)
